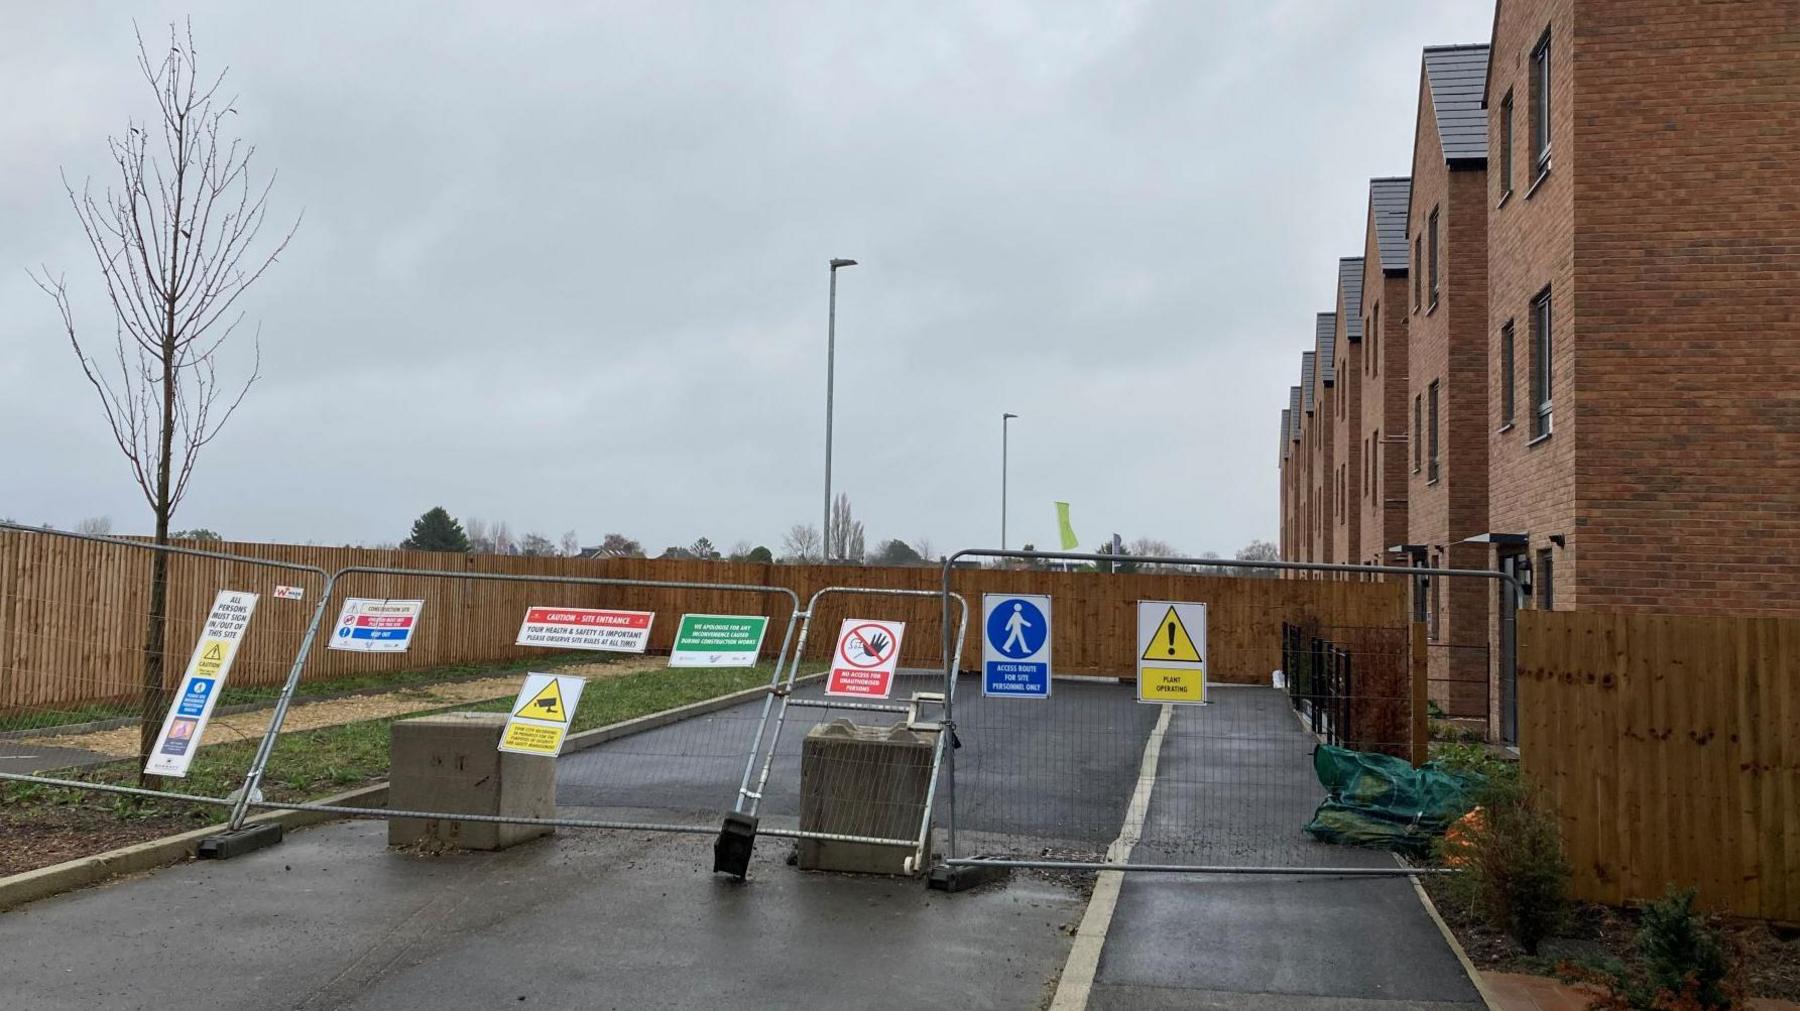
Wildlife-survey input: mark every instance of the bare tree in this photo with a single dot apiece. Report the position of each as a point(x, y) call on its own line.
point(923, 546)
point(177, 244)
point(801, 543)
point(570, 544)
point(1258, 551)
point(536, 545)
point(620, 546)
point(500, 535)
point(99, 526)
point(480, 541)
point(846, 542)
point(703, 549)
point(1149, 547)
point(740, 551)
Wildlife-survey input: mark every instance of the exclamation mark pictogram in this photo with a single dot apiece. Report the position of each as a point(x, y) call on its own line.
point(1171, 631)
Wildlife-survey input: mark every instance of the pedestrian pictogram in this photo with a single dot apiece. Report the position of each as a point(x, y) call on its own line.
point(1016, 646)
point(547, 704)
point(1172, 641)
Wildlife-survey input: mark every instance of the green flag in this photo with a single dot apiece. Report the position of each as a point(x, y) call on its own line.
point(1069, 541)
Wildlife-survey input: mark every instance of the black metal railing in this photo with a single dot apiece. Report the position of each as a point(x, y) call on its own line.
point(1320, 682)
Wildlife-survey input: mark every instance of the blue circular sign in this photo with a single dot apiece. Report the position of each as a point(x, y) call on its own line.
point(1017, 628)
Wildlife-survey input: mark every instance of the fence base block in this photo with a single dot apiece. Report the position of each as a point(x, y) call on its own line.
point(226, 845)
point(731, 852)
point(946, 878)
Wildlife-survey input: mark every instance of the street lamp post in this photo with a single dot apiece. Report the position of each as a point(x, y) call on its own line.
point(830, 378)
point(1004, 436)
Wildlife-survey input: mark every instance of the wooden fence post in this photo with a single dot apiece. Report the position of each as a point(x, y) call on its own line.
point(1421, 720)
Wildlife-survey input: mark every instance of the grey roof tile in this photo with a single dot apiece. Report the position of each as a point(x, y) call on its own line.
point(1325, 335)
point(1287, 423)
point(1306, 379)
point(1294, 413)
point(1457, 75)
point(1388, 202)
point(1350, 278)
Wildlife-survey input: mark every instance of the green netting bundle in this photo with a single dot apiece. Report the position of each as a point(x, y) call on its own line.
point(1381, 801)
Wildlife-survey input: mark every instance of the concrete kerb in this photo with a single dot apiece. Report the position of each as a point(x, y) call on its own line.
point(29, 886)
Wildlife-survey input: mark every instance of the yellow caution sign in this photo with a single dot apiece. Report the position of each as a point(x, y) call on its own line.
point(211, 658)
point(1171, 642)
point(532, 738)
point(547, 704)
point(1172, 684)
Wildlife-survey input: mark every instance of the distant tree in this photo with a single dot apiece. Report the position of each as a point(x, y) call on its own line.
point(1123, 563)
point(896, 552)
point(1146, 547)
point(503, 543)
point(537, 546)
point(99, 526)
point(801, 544)
point(739, 552)
point(571, 544)
point(675, 552)
point(620, 546)
point(480, 541)
point(846, 540)
point(1258, 551)
point(703, 549)
point(436, 530)
point(1034, 563)
point(196, 534)
point(760, 554)
point(923, 546)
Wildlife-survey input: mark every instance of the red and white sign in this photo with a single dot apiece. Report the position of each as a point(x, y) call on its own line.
point(866, 655)
point(586, 628)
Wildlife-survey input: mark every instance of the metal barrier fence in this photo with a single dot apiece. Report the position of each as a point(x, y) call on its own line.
point(846, 790)
point(676, 777)
point(1093, 778)
point(109, 689)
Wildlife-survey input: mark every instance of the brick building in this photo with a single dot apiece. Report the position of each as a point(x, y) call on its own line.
point(1347, 335)
point(1447, 473)
point(1382, 388)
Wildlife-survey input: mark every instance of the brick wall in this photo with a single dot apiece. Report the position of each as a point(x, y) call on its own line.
point(1346, 526)
point(1686, 190)
point(1384, 414)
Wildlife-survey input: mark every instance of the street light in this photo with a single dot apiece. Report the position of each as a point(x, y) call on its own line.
point(1004, 418)
point(830, 376)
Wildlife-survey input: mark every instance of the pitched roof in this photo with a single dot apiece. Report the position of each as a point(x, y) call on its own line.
point(1293, 413)
point(1350, 278)
point(1306, 380)
point(1387, 204)
point(1457, 75)
point(1325, 333)
point(1287, 423)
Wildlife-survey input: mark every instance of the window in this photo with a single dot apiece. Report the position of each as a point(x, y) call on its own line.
point(1365, 469)
point(1368, 346)
point(1375, 339)
point(1506, 145)
point(1541, 348)
point(1507, 382)
point(1431, 473)
point(1418, 432)
point(1540, 107)
point(1421, 593)
point(1545, 580)
point(1374, 461)
point(1418, 270)
point(1434, 257)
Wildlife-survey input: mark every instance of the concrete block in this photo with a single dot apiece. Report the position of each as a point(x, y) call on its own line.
point(451, 763)
point(862, 780)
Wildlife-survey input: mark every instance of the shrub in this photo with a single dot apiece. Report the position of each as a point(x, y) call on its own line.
point(1513, 874)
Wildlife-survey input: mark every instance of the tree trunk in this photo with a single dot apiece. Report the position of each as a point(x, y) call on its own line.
point(156, 632)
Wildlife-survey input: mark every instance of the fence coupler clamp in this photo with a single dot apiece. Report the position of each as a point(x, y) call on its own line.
point(950, 728)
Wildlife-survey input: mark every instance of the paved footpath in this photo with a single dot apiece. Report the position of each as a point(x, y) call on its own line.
point(1256, 941)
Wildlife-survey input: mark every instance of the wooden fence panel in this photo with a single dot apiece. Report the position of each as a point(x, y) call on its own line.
point(73, 612)
point(1669, 747)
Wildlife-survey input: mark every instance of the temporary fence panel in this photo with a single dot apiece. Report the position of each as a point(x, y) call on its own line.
point(88, 693)
point(843, 790)
point(1669, 748)
point(1092, 777)
point(628, 762)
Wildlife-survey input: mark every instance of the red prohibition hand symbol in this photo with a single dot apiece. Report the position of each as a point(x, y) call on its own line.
point(867, 646)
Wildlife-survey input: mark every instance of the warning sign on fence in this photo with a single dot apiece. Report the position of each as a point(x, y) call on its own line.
point(376, 626)
point(718, 640)
point(586, 628)
point(1171, 652)
point(200, 683)
point(541, 714)
point(867, 653)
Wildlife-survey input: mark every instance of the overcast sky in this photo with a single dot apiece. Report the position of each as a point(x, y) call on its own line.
point(568, 269)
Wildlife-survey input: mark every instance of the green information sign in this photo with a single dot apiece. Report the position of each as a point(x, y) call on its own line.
point(718, 640)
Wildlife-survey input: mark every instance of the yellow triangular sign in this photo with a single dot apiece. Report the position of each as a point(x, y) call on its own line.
point(215, 652)
point(547, 704)
point(1171, 641)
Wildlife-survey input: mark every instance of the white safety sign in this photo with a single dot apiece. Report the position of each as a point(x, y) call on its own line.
point(376, 626)
point(1171, 652)
point(541, 714)
point(586, 628)
point(867, 653)
point(1015, 647)
point(201, 683)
